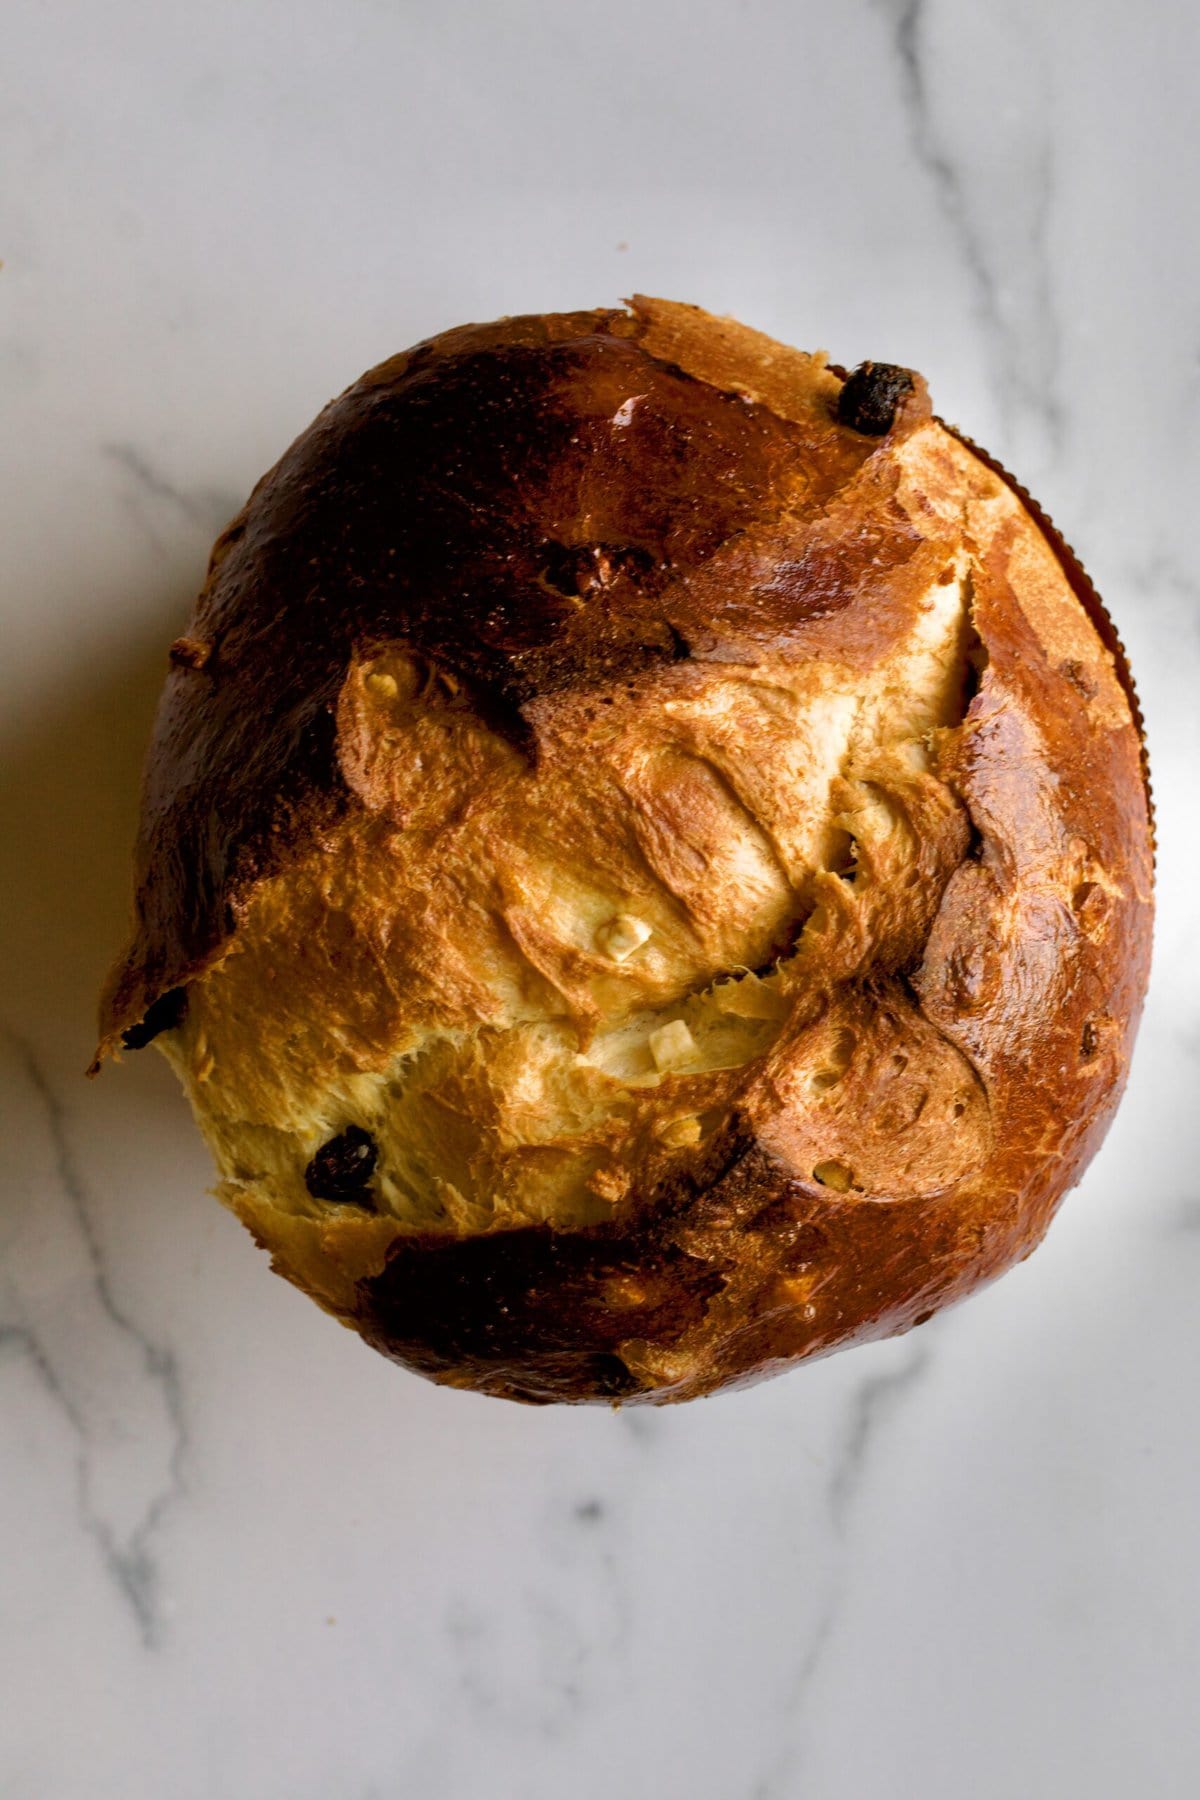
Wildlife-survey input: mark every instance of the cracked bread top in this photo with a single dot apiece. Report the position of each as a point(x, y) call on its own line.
point(699, 843)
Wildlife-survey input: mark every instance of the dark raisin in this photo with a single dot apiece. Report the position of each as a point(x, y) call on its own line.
point(342, 1168)
point(1089, 1041)
point(869, 399)
point(164, 1014)
point(610, 1376)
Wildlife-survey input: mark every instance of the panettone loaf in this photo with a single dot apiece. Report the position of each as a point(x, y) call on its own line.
point(645, 869)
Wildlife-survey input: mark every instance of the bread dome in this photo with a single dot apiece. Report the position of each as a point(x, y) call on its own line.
point(645, 868)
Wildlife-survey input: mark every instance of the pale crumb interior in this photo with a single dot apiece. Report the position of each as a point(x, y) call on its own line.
point(584, 964)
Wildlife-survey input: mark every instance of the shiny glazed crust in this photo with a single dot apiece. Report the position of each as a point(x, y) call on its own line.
point(708, 847)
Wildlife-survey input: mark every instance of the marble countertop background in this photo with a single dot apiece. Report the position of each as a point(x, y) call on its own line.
point(241, 1558)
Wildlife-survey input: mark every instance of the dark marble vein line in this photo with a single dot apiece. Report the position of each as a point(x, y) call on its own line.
point(873, 1403)
point(131, 1563)
point(875, 1400)
point(1038, 394)
point(907, 16)
point(25, 1343)
point(206, 508)
point(1044, 397)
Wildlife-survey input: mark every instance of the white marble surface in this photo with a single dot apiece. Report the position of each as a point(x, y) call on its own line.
point(240, 1557)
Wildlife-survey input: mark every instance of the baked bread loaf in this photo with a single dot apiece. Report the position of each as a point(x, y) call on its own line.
point(645, 868)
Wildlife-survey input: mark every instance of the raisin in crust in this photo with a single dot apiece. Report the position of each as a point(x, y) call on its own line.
point(655, 842)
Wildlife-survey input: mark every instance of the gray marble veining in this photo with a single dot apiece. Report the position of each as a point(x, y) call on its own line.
point(1004, 248)
point(260, 1562)
point(119, 1390)
point(159, 506)
point(872, 1404)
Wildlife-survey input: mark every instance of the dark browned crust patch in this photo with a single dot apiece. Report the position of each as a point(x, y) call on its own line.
point(438, 502)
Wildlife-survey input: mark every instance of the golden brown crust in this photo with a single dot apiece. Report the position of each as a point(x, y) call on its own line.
point(445, 498)
point(1085, 592)
point(626, 510)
